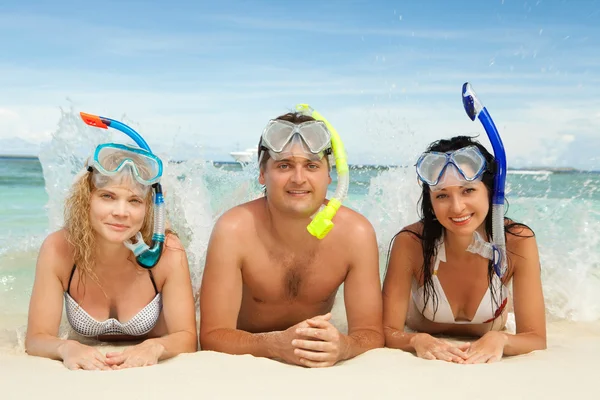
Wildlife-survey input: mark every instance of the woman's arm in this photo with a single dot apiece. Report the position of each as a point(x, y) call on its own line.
point(405, 258)
point(530, 311)
point(528, 305)
point(46, 303)
point(405, 254)
point(178, 311)
point(178, 303)
point(45, 310)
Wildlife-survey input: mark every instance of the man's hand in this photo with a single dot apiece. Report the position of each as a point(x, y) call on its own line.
point(319, 344)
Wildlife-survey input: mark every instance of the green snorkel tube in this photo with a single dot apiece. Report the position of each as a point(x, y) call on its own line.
point(322, 223)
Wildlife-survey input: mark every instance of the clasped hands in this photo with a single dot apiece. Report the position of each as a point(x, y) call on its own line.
point(313, 343)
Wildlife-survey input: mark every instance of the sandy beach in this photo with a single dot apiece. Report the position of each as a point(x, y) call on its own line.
point(568, 368)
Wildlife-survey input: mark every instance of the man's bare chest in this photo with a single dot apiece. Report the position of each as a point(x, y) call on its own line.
point(309, 276)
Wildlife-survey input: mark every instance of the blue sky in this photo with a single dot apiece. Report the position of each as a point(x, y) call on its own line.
point(201, 78)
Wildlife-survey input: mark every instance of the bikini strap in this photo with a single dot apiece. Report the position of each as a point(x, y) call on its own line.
point(70, 279)
point(440, 255)
point(152, 279)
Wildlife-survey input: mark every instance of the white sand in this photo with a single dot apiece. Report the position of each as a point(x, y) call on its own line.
point(569, 368)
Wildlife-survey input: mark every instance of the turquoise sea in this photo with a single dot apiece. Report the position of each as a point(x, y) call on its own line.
point(563, 208)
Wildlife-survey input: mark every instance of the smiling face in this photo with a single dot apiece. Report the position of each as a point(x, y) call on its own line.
point(461, 209)
point(117, 211)
point(296, 185)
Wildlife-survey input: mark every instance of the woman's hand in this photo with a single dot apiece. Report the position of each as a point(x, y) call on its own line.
point(431, 348)
point(141, 355)
point(489, 348)
point(79, 356)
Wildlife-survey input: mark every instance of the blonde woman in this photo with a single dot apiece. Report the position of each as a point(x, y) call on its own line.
point(113, 289)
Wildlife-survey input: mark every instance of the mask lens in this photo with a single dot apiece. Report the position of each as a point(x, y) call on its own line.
point(315, 135)
point(430, 166)
point(469, 161)
point(277, 134)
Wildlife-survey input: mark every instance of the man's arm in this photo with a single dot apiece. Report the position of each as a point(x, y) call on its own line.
point(221, 293)
point(362, 293)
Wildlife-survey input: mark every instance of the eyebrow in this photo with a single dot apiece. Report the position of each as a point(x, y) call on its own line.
point(133, 194)
point(306, 161)
point(466, 185)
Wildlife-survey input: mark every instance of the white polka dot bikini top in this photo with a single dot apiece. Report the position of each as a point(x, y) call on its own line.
point(86, 325)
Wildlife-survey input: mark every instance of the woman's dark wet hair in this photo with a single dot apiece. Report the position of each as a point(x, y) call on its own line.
point(433, 230)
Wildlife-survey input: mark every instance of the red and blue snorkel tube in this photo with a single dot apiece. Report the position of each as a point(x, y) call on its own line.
point(475, 109)
point(146, 256)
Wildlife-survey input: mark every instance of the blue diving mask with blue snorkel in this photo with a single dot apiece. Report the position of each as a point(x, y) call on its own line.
point(111, 159)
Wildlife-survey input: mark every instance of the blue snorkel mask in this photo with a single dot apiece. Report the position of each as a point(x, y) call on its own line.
point(458, 167)
point(122, 157)
point(495, 251)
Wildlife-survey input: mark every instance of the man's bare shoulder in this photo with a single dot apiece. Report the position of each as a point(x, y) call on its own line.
point(352, 225)
point(242, 219)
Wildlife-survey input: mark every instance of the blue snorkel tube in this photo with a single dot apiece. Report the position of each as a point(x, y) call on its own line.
point(475, 109)
point(146, 256)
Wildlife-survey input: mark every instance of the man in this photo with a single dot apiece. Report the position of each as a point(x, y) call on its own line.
point(269, 285)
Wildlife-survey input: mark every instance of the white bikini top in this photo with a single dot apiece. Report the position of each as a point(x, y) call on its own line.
point(486, 311)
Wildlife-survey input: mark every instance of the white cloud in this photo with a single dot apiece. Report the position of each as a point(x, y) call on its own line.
point(225, 81)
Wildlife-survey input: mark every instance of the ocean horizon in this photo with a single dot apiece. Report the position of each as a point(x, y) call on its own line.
point(553, 169)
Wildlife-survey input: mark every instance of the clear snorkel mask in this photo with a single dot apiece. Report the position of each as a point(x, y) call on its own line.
point(312, 140)
point(283, 139)
point(111, 160)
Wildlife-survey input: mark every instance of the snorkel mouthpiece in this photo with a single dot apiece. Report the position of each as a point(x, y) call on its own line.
point(322, 223)
point(146, 256)
point(497, 253)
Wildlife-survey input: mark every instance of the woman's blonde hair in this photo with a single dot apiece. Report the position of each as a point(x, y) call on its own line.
point(78, 227)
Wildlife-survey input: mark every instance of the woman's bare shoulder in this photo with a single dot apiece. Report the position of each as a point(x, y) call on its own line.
point(57, 254)
point(172, 259)
point(57, 246)
point(410, 235)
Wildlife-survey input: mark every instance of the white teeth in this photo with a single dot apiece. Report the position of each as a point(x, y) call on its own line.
point(297, 191)
point(461, 219)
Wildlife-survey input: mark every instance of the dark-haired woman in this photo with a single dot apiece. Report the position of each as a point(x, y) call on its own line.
point(441, 279)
